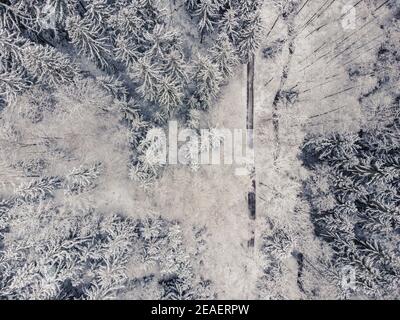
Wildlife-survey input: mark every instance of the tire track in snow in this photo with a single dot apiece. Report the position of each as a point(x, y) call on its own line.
point(251, 195)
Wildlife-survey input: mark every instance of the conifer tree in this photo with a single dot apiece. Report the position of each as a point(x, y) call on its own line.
point(37, 189)
point(113, 85)
point(229, 24)
point(10, 47)
point(191, 5)
point(12, 82)
point(224, 55)
point(60, 9)
point(22, 15)
point(207, 78)
point(249, 35)
point(147, 75)
point(98, 12)
point(90, 40)
point(176, 66)
point(47, 65)
point(207, 12)
point(126, 50)
point(82, 178)
point(161, 41)
point(128, 21)
point(169, 92)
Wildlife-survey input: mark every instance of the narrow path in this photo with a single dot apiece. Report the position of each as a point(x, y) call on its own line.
point(251, 195)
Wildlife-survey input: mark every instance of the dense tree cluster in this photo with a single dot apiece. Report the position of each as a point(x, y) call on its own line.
point(354, 189)
point(276, 246)
point(82, 83)
point(132, 45)
point(139, 57)
point(55, 243)
point(239, 20)
point(51, 251)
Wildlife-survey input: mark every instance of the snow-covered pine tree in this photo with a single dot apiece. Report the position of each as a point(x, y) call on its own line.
point(113, 86)
point(207, 12)
point(129, 109)
point(140, 175)
point(161, 41)
point(149, 150)
point(191, 5)
point(207, 79)
point(176, 66)
point(249, 35)
point(138, 127)
point(276, 247)
point(333, 146)
point(160, 117)
point(128, 21)
point(250, 6)
point(37, 189)
point(177, 289)
point(82, 178)
point(170, 93)
point(47, 65)
point(10, 47)
point(98, 12)
point(58, 10)
point(229, 24)
point(126, 50)
point(148, 75)
point(12, 82)
point(22, 15)
point(224, 55)
point(134, 18)
point(90, 40)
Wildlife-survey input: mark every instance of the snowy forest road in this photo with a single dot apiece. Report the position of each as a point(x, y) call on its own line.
point(251, 195)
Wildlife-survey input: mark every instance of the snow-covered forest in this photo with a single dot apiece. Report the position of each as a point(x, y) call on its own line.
point(87, 211)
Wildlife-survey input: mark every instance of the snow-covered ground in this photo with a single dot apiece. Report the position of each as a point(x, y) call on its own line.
point(302, 86)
